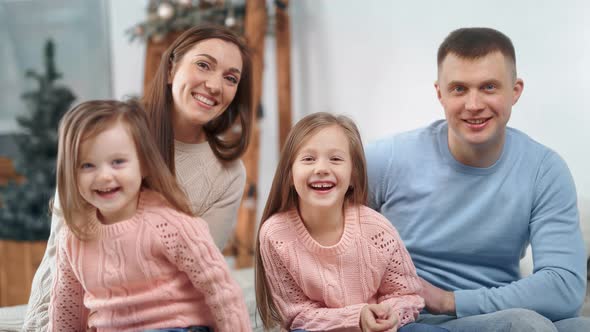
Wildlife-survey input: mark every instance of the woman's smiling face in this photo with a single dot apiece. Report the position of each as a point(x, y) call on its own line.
point(204, 83)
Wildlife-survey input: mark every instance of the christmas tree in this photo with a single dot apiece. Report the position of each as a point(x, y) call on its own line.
point(24, 211)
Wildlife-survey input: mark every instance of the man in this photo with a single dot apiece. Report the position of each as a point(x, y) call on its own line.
point(468, 194)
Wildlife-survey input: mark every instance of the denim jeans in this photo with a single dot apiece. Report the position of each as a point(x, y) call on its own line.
point(183, 329)
point(509, 320)
point(412, 327)
point(419, 327)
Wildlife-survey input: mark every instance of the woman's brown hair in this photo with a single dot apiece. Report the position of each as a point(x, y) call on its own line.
point(89, 119)
point(283, 197)
point(159, 104)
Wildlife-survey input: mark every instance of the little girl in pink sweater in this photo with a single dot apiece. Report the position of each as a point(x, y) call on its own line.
point(324, 261)
point(132, 258)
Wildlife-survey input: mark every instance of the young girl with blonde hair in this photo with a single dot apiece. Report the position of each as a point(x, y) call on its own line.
point(131, 257)
point(324, 261)
point(199, 112)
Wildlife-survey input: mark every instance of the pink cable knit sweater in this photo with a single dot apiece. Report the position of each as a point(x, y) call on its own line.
point(320, 288)
point(158, 269)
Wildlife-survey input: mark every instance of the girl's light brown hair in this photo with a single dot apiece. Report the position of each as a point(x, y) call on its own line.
point(283, 197)
point(89, 119)
point(159, 104)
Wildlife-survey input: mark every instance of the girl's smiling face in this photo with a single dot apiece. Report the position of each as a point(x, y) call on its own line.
point(109, 173)
point(322, 170)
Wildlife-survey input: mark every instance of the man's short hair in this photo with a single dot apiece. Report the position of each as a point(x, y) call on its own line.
point(474, 43)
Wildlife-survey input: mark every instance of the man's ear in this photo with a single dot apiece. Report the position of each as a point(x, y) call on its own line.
point(517, 90)
point(438, 94)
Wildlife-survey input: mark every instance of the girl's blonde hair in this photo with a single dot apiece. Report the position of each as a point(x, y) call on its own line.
point(89, 119)
point(283, 197)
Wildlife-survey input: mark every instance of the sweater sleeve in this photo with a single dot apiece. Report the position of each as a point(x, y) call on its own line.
point(36, 317)
point(66, 307)
point(188, 244)
point(223, 212)
point(400, 284)
point(297, 310)
point(558, 255)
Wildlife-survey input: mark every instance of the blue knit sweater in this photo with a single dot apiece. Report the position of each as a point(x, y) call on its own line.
point(466, 228)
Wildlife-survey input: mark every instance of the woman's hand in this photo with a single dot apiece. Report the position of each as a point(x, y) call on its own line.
point(377, 318)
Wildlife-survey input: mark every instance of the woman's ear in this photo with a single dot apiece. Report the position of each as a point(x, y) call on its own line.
point(171, 71)
point(170, 76)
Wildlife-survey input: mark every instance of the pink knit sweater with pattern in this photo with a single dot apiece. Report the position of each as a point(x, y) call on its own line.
point(159, 269)
point(320, 288)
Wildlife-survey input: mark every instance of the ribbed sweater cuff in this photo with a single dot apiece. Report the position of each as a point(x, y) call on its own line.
point(350, 318)
point(466, 303)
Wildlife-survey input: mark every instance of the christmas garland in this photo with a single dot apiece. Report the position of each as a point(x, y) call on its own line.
point(166, 16)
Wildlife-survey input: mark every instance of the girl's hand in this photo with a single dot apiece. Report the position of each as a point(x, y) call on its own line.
point(377, 318)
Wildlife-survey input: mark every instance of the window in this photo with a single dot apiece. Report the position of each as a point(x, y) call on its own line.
point(79, 30)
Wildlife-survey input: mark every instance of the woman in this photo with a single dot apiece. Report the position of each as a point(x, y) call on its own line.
point(198, 106)
point(201, 90)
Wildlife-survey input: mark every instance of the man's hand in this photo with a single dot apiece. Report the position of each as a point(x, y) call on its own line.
point(378, 318)
point(437, 301)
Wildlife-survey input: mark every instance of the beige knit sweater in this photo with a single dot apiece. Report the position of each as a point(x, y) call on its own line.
point(213, 188)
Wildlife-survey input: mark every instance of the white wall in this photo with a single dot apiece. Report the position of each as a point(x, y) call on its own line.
point(128, 58)
point(376, 61)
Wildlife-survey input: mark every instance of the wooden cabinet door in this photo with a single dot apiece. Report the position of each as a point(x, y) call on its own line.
point(154, 51)
point(19, 261)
